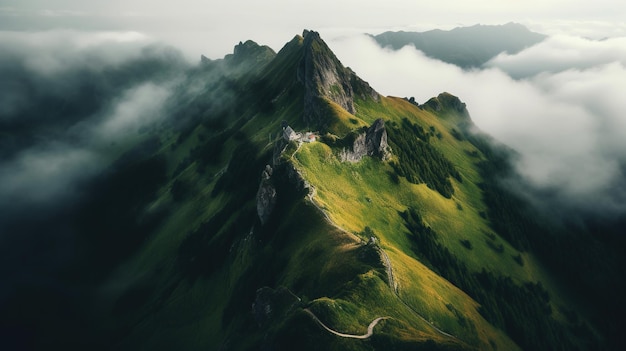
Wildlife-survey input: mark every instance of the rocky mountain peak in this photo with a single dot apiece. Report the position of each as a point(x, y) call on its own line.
point(324, 77)
point(250, 50)
point(248, 57)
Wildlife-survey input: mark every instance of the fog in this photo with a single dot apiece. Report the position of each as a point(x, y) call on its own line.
point(67, 98)
point(212, 28)
point(559, 104)
point(562, 53)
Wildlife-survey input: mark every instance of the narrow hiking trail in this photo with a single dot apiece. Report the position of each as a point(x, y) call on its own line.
point(387, 263)
point(370, 328)
point(389, 269)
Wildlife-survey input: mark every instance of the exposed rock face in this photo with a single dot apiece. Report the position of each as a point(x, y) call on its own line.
point(372, 143)
point(265, 196)
point(324, 77)
point(289, 134)
point(296, 178)
point(376, 140)
point(286, 172)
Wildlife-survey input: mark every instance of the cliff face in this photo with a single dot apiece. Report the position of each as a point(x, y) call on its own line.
point(266, 195)
point(280, 173)
point(324, 77)
point(372, 142)
point(376, 140)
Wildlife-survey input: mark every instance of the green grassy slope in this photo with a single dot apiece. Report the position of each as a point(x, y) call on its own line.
point(465, 252)
point(211, 276)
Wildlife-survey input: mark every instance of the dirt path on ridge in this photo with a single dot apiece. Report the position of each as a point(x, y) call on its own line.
point(370, 328)
point(392, 283)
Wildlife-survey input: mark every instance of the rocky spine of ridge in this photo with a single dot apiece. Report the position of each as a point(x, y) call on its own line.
point(247, 58)
point(324, 77)
point(252, 53)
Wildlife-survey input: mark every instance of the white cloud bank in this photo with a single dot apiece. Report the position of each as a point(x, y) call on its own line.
point(562, 53)
point(58, 51)
point(567, 118)
point(76, 93)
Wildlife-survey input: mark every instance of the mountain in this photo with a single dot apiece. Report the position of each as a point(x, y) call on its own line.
point(466, 47)
point(283, 203)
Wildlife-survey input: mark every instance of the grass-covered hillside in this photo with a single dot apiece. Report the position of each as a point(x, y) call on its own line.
point(212, 230)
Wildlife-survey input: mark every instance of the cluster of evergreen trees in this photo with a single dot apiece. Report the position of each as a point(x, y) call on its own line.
point(419, 162)
point(522, 311)
point(584, 253)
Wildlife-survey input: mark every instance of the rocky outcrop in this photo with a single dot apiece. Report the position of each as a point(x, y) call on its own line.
point(247, 58)
point(324, 77)
point(265, 196)
point(376, 140)
point(205, 60)
point(295, 178)
point(251, 52)
point(372, 142)
point(449, 102)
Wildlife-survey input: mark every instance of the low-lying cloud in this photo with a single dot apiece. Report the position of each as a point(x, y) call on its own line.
point(138, 107)
point(65, 98)
point(59, 51)
point(45, 173)
point(558, 104)
point(76, 109)
point(562, 53)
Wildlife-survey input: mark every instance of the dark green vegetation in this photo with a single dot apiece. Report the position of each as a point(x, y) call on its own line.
point(466, 47)
point(418, 161)
point(163, 247)
point(585, 253)
point(524, 312)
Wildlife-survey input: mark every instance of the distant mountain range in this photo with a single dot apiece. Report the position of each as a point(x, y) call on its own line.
point(466, 47)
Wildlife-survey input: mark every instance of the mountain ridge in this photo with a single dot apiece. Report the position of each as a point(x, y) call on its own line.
point(215, 231)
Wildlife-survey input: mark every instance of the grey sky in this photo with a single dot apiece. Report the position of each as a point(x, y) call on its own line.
point(212, 27)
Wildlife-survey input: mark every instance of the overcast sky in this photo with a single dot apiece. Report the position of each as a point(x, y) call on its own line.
point(212, 27)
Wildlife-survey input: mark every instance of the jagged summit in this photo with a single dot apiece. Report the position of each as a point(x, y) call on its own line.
point(324, 77)
point(251, 51)
point(247, 57)
point(323, 74)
